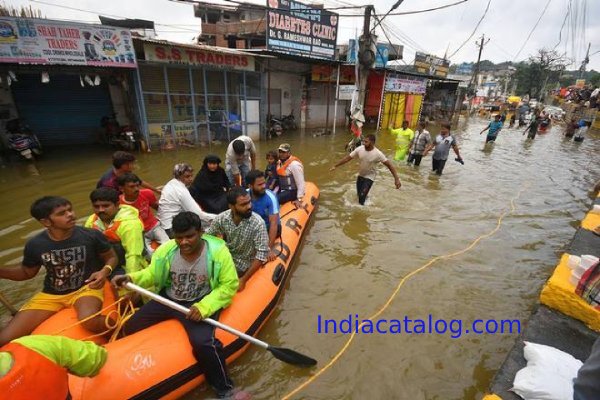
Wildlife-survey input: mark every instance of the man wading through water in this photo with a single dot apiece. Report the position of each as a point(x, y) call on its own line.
point(369, 156)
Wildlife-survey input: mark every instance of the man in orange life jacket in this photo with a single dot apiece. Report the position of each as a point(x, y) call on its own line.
point(37, 367)
point(291, 177)
point(121, 225)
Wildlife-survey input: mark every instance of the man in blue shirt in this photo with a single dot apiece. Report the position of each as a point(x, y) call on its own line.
point(494, 128)
point(265, 204)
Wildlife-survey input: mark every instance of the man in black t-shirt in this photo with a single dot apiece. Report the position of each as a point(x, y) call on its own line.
point(77, 262)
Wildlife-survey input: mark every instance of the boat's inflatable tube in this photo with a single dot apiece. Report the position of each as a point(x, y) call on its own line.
point(158, 362)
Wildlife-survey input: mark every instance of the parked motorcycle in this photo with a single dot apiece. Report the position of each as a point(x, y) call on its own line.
point(22, 140)
point(274, 127)
point(288, 122)
point(122, 137)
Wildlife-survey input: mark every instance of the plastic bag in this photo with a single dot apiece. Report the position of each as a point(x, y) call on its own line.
point(549, 374)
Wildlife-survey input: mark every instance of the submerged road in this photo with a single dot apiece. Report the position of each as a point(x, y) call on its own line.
point(354, 257)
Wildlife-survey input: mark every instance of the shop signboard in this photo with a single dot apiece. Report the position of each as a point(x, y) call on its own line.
point(41, 41)
point(328, 73)
point(195, 55)
point(431, 65)
point(345, 92)
point(405, 84)
point(381, 58)
point(301, 30)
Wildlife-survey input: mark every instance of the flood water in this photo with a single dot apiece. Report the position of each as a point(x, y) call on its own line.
point(353, 257)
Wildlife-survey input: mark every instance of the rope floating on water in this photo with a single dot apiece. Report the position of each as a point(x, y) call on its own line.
point(346, 345)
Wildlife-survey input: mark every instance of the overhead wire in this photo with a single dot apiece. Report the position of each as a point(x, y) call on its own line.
point(533, 29)
point(563, 23)
point(474, 30)
point(101, 13)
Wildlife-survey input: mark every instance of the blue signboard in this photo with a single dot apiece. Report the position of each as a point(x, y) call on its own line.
point(381, 58)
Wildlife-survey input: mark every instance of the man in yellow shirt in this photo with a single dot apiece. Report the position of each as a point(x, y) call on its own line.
point(403, 136)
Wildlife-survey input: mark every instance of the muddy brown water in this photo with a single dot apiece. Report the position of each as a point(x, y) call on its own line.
point(353, 257)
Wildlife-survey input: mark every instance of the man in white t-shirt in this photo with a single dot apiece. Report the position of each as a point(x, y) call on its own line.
point(240, 158)
point(369, 156)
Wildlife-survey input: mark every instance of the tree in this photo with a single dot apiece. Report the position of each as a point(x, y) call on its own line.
point(533, 76)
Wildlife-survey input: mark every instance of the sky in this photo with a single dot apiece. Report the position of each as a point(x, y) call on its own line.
point(507, 24)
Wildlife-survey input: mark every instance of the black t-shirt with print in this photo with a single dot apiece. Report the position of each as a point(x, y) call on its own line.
point(68, 262)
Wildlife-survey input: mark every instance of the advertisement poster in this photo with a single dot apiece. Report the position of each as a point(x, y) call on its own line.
point(405, 85)
point(39, 41)
point(196, 56)
point(432, 65)
point(328, 73)
point(381, 57)
point(298, 29)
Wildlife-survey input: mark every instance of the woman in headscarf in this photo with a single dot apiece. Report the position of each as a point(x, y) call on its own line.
point(210, 186)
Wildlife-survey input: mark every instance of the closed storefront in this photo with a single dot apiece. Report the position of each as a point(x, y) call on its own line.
point(194, 95)
point(402, 100)
point(62, 79)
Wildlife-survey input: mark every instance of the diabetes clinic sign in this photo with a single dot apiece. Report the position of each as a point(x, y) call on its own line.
point(197, 56)
point(298, 29)
point(40, 41)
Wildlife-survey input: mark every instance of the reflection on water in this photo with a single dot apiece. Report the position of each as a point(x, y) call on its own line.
point(353, 257)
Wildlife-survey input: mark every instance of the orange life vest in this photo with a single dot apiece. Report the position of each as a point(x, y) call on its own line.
point(286, 182)
point(33, 376)
point(110, 233)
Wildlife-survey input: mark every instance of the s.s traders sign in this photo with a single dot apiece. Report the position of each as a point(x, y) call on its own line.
point(41, 41)
point(298, 29)
point(197, 56)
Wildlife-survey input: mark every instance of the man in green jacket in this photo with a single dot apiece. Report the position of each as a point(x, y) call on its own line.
point(122, 227)
point(196, 271)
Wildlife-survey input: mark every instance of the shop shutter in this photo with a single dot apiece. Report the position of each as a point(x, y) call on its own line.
point(62, 112)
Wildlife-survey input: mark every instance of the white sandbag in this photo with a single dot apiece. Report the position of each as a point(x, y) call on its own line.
point(548, 375)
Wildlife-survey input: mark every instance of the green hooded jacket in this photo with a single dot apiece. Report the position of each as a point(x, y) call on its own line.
point(222, 274)
point(126, 234)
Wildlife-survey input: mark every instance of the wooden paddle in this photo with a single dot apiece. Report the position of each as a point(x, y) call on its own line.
point(286, 355)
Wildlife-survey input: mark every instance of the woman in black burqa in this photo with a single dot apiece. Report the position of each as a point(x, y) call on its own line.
point(210, 186)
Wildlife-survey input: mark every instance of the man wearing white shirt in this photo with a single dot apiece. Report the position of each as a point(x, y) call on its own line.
point(176, 198)
point(240, 158)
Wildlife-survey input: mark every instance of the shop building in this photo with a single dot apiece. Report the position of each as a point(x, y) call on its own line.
point(195, 94)
point(62, 78)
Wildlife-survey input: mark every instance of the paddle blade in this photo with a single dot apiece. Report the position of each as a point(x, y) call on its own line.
point(292, 357)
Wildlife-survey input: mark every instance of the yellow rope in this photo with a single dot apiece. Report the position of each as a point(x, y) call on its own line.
point(113, 324)
point(395, 292)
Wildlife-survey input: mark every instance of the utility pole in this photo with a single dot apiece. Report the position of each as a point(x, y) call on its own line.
point(474, 78)
point(367, 47)
point(585, 62)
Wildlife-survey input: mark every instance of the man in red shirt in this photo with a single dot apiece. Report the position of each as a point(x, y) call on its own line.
point(144, 200)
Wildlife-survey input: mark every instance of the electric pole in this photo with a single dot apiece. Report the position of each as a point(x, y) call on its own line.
point(473, 83)
point(585, 62)
point(365, 55)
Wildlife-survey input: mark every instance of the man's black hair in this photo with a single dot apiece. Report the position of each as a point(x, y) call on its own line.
point(127, 178)
point(372, 137)
point(121, 158)
point(234, 193)
point(252, 175)
point(105, 194)
point(43, 207)
point(186, 220)
point(446, 125)
point(239, 147)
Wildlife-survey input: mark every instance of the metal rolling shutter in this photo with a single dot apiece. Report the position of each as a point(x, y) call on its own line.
point(61, 112)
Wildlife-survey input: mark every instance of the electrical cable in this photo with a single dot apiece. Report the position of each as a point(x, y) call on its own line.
point(474, 30)
point(99, 13)
point(563, 24)
point(533, 29)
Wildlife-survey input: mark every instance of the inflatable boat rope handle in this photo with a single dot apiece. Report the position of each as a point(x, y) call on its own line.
point(286, 355)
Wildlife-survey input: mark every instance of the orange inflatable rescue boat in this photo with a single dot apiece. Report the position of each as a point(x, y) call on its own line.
point(157, 362)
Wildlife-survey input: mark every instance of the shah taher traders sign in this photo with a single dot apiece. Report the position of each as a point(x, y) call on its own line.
point(41, 41)
point(301, 30)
